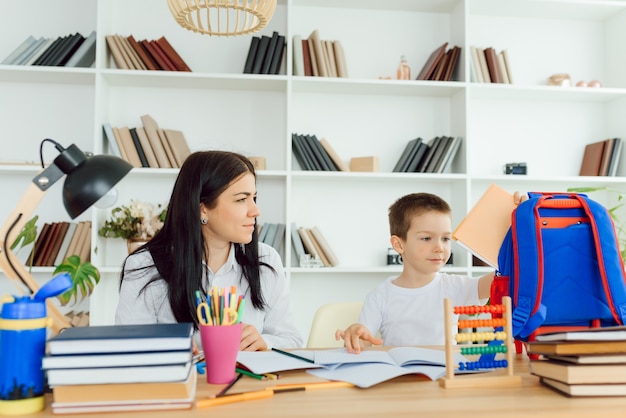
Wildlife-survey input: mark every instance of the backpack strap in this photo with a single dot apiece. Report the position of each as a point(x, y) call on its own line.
point(529, 312)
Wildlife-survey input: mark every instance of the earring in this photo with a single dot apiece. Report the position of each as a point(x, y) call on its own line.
point(204, 221)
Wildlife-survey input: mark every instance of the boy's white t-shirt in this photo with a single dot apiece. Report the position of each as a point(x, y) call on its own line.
point(409, 317)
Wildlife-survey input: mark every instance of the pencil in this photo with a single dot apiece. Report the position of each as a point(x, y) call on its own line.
point(249, 396)
point(230, 385)
point(311, 386)
point(293, 355)
point(250, 374)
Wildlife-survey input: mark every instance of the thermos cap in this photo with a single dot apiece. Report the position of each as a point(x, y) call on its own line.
point(24, 308)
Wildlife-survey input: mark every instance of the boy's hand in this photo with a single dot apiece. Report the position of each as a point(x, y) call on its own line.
point(353, 335)
point(519, 197)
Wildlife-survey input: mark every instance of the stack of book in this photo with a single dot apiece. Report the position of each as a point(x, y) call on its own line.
point(272, 234)
point(441, 64)
point(601, 158)
point(310, 244)
point(59, 240)
point(434, 157)
point(131, 54)
point(121, 368)
point(318, 57)
point(489, 66)
point(73, 50)
point(266, 55)
point(316, 154)
point(589, 362)
point(147, 145)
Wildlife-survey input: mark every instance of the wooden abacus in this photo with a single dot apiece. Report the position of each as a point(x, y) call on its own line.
point(480, 379)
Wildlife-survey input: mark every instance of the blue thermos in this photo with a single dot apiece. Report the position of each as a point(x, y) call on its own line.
point(23, 333)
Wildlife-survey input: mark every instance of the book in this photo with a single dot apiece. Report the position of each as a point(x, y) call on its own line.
point(326, 163)
point(264, 43)
point(159, 55)
point(403, 161)
point(476, 64)
point(169, 152)
point(340, 59)
point(151, 128)
point(60, 409)
point(120, 144)
point(366, 369)
point(440, 154)
point(65, 244)
point(440, 69)
point(337, 161)
point(30, 39)
point(307, 242)
point(417, 157)
point(330, 57)
point(46, 247)
point(576, 390)
point(570, 348)
point(69, 48)
point(318, 53)
point(430, 64)
point(591, 358)
point(132, 58)
point(127, 142)
point(422, 167)
point(507, 63)
point(26, 55)
point(298, 55)
point(606, 157)
point(39, 243)
point(318, 248)
point(146, 146)
point(139, 148)
point(269, 234)
point(126, 374)
point(492, 65)
point(48, 56)
point(122, 338)
point(592, 159)
point(312, 151)
point(269, 54)
point(127, 393)
point(83, 249)
point(502, 68)
point(450, 154)
point(325, 246)
point(616, 156)
point(252, 50)
point(298, 247)
point(614, 333)
point(306, 56)
point(40, 51)
point(85, 55)
point(301, 147)
point(277, 56)
point(152, 53)
point(145, 58)
point(454, 61)
point(279, 238)
point(116, 52)
point(147, 358)
point(178, 144)
point(484, 68)
point(71, 249)
point(482, 230)
point(174, 57)
point(56, 243)
point(579, 373)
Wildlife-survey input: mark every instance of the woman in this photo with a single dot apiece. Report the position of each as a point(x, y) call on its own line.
point(209, 240)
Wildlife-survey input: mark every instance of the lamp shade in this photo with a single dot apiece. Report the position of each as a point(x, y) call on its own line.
point(91, 180)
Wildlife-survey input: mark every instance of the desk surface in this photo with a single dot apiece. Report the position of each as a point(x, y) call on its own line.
point(401, 396)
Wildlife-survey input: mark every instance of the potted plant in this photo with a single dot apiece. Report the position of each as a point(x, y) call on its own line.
point(136, 222)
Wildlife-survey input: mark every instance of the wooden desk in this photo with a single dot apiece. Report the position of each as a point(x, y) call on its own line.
point(404, 396)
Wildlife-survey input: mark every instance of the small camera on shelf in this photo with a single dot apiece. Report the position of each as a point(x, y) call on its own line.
point(515, 168)
point(393, 258)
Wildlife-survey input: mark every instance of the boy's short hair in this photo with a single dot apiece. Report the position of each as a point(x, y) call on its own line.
point(407, 207)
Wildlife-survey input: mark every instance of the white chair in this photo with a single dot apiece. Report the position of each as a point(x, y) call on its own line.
point(328, 319)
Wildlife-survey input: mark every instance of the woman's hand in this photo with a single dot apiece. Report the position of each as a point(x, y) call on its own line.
point(251, 340)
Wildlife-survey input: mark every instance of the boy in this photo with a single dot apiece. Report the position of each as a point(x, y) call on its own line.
point(407, 310)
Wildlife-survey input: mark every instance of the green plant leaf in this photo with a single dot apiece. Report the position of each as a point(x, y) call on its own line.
point(27, 235)
point(85, 276)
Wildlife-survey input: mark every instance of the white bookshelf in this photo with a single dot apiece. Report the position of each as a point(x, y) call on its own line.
point(218, 107)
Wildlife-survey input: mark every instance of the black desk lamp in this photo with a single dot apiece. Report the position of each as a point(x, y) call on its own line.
point(88, 179)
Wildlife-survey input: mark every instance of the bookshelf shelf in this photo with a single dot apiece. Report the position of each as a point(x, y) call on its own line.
point(362, 115)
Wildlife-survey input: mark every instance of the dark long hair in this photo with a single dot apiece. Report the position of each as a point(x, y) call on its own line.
point(178, 249)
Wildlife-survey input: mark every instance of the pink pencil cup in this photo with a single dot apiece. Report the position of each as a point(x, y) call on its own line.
point(220, 344)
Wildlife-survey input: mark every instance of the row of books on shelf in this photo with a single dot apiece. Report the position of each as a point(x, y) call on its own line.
point(318, 57)
point(272, 234)
point(588, 362)
point(601, 158)
point(131, 54)
point(311, 249)
point(59, 240)
point(435, 156)
point(121, 368)
point(72, 50)
point(489, 66)
point(441, 65)
point(147, 145)
point(266, 55)
point(316, 154)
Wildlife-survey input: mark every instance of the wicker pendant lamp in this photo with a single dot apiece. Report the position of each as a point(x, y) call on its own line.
point(222, 17)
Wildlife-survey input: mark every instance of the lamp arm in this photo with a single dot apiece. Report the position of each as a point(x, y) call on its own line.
point(10, 265)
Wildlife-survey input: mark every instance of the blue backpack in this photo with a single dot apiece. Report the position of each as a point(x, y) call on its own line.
point(560, 262)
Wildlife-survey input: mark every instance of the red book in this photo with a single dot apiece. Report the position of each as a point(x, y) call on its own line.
point(431, 63)
point(306, 54)
point(143, 55)
point(153, 54)
point(171, 53)
point(167, 63)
